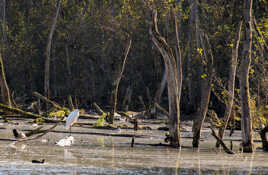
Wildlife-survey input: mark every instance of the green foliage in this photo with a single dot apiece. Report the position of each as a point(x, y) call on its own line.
point(101, 120)
point(91, 34)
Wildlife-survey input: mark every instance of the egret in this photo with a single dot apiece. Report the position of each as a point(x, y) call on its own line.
point(72, 118)
point(67, 141)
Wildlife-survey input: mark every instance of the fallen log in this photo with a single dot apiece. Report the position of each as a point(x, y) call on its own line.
point(25, 114)
point(36, 94)
point(7, 108)
point(37, 131)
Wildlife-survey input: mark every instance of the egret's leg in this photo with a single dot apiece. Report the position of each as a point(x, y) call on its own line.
point(70, 131)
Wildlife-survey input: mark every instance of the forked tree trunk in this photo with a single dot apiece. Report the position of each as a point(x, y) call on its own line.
point(231, 82)
point(205, 91)
point(172, 79)
point(246, 120)
point(48, 50)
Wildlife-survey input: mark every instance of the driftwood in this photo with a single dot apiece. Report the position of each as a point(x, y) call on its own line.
point(98, 108)
point(219, 140)
point(19, 111)
point(37, 131)
point(264, 138)
point(24, 114)
point(36, 94)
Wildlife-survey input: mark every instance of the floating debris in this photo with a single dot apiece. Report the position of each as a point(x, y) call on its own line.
point(38, 161)
point(18, 134)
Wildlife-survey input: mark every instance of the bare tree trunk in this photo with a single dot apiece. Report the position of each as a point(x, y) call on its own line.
point(4, 87)
point(231, 82)
point(48, 50)
point(246, 120)
point(117, 80)
point(206, 90)
point(162, 86)
point(68, 67)
point(192, 18)
point(173, 91)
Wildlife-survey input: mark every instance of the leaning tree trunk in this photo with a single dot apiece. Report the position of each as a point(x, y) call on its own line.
point(172, 79)
point(48, 50)
point(246, 120)
point(231, 82)
point(206, 90)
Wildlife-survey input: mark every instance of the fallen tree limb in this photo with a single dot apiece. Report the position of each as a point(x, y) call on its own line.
point(98, 108)
point(44, 132)
point(161, 109)
point(36, 94)
point(25, 114)
point(7, 108)
point(225, 148)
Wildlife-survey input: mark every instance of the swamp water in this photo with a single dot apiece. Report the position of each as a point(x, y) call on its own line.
point(104, 152)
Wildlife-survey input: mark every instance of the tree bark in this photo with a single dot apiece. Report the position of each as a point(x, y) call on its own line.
point(160, 90)
point(3, 83)
point(231, 82)
point(48, 50)
point(172, 79)
point(246, 120)
point(4, 87)
point(206, 90)
point(192, 19)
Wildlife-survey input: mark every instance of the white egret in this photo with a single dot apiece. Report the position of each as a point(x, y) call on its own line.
point(67, 141)
point(72, 118)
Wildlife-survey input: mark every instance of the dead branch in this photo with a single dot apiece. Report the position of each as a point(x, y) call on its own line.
point(36, 94)
point(225, 148)
point(44, 132)
point(98, 108)
point(161, 109)
point(7, 108)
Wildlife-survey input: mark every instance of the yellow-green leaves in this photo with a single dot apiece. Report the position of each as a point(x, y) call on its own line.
point(200, 51)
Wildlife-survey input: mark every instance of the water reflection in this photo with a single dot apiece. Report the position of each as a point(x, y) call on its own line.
point(112, 155)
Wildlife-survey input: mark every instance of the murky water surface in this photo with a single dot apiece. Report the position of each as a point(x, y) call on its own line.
point(104, 152)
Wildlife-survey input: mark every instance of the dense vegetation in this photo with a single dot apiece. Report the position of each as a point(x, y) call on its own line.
point(89, 41)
